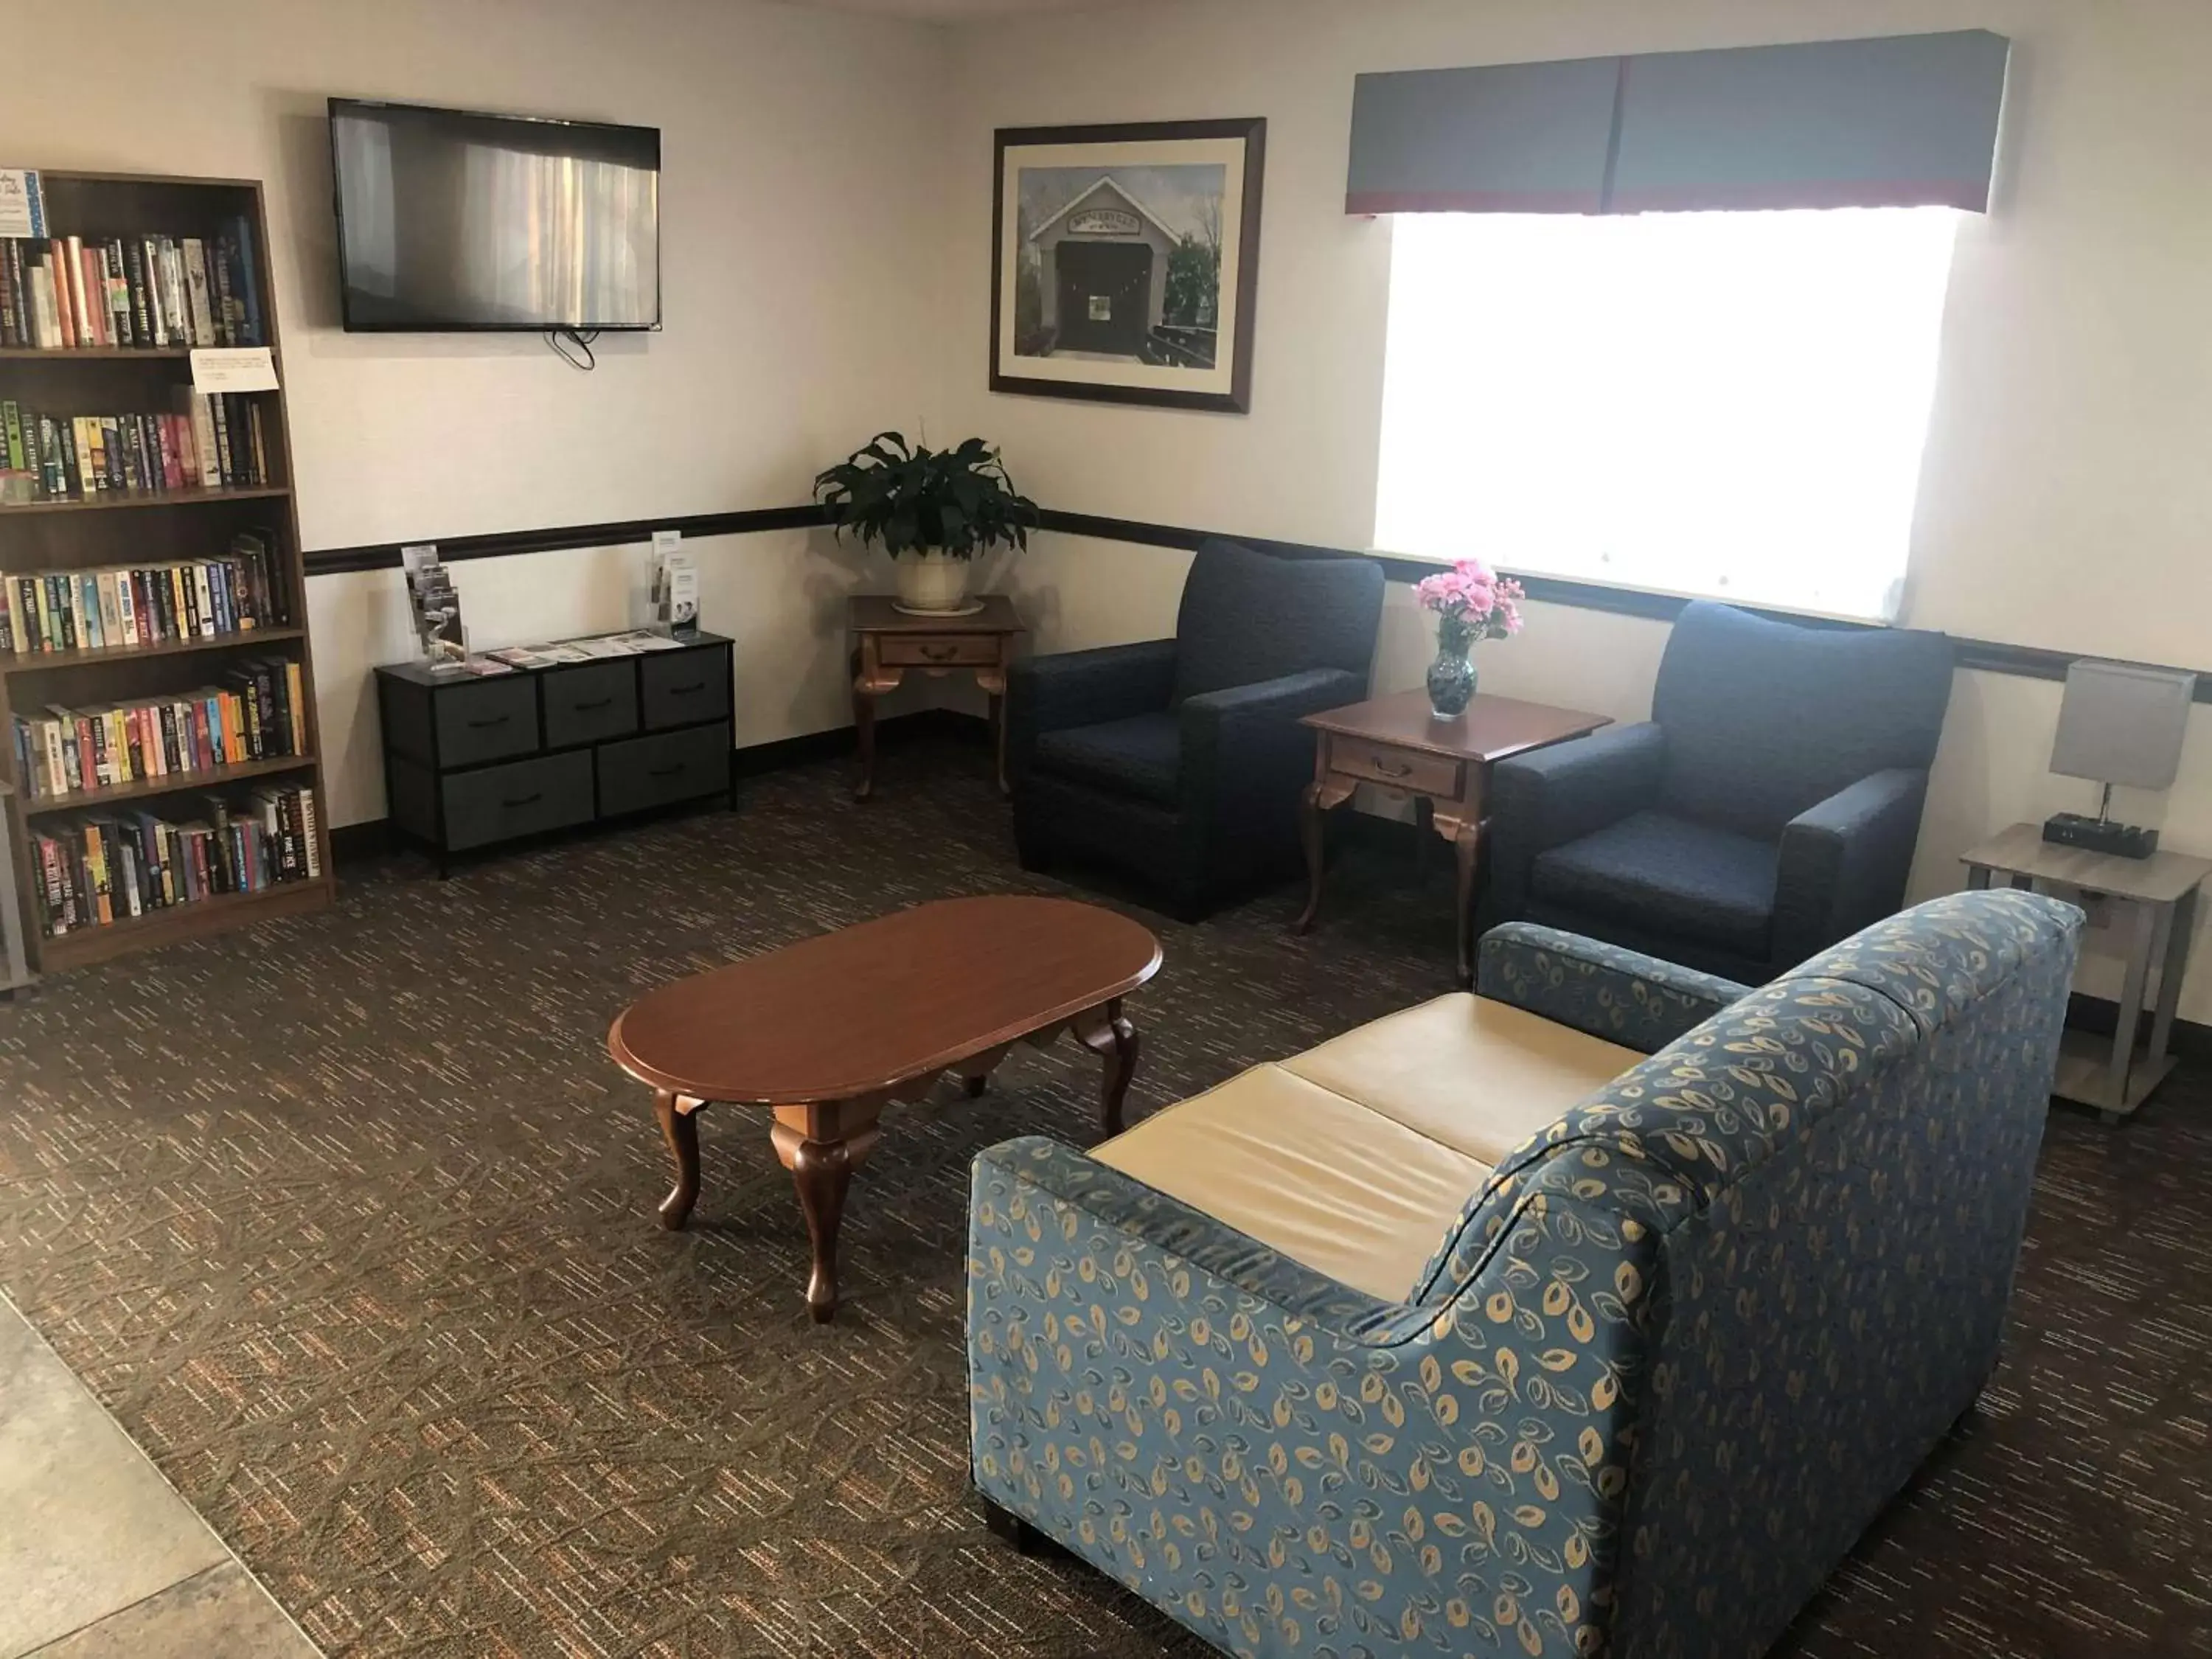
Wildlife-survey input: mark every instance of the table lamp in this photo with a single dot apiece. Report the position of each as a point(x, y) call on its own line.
point(2119, 723)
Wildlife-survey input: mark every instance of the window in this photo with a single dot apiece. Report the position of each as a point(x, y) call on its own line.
point(1725, 405)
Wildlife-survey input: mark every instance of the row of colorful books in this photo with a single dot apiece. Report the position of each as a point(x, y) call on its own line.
point(258, 713)
point(215, 441)
point(74, 293)
point(95, 869)
point(125, 606)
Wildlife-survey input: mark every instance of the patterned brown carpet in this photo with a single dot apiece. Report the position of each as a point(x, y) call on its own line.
point(350, 1221)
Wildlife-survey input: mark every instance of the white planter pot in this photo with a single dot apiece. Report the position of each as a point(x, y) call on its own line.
point(931, 581)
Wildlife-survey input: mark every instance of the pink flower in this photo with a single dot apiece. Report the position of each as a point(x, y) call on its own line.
point(1473, 595)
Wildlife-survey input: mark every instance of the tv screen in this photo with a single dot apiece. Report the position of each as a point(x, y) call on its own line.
point(449, 221)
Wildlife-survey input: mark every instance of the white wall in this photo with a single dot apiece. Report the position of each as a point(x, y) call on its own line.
point(800, 154)
point(2065, 494)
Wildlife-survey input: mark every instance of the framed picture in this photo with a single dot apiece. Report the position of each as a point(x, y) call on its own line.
point(1125, 260)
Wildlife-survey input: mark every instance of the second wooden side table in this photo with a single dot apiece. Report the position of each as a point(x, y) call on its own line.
point(1397, 744)
point(888, 641)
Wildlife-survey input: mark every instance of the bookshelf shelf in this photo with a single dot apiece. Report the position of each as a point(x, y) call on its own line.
point(84, 946)
point(168, 216)
point(172, 783)
point(93, 354)
point(47, 662)
point(109, 503)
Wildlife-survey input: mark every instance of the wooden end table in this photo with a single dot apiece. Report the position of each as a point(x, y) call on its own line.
point(1442, 765)
point(827, 1032)
point(888, 641)
point(2160, 894)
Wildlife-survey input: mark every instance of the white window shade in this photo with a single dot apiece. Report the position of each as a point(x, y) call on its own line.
point(1724, 405)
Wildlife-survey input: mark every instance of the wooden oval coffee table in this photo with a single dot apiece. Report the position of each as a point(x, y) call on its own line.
point(827, 1032)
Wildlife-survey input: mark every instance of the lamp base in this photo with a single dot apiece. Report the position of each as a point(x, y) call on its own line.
point(2125, 841)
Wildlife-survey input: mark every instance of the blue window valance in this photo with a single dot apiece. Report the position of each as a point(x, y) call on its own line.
point(1894, 121)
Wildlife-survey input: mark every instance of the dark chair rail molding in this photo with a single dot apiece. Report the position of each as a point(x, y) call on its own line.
point(501, 544)
point(2025, 661)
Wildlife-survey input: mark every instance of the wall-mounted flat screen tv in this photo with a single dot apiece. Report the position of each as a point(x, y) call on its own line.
point(451, 221)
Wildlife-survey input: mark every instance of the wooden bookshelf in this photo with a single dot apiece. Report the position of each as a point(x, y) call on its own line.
point(153, 527)
point(86, 946)
point(172, 783)
point(50, 662)
point(89, 353)
point(144, 498)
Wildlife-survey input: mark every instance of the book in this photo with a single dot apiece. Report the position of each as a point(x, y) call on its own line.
point(62, 751)
point(188, 446)
point(117, 607)
point(94, 868)
point(201, 293)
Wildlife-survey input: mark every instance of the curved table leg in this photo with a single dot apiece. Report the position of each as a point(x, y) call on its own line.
point(1310, 829)
point(1466, 844)
point(822, 1171)
point(975, 1072)
point(1108, 1033)
point(822, 1145)
point(680, 1127)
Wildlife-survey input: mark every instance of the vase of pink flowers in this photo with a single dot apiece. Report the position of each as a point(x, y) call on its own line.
point(1472, 603)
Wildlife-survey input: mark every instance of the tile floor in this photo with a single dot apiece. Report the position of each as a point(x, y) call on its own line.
point(99, 1558)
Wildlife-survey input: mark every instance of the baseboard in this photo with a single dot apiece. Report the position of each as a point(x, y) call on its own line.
point(357, 843)
point(760, 758)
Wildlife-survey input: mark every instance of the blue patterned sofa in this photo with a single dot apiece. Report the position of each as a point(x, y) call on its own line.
point(1321, 1364)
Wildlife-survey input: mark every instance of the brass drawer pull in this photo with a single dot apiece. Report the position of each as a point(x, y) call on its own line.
point(1393, 769)
point(940, 653)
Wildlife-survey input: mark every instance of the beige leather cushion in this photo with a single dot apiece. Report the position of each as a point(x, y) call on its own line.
point(1306, 1171)
point(1477, 1075)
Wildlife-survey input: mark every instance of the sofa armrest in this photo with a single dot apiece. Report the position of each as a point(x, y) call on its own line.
point(1243, 749)
point(1130, 1207)
point(1561, 793)
point(1845, 861)
point(1083, 688)
point(1623, 996)
point(1112, 1358)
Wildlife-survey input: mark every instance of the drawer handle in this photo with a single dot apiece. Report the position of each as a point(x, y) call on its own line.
point(675, 771)
point(692, 690)
point(514, 801)
point(1393, 769)
point(596, 702)
point(496, 720)
point(940, 653)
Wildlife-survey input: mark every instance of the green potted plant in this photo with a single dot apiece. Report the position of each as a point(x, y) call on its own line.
point(932, 510)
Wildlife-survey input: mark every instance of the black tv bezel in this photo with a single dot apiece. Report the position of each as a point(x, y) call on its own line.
point(338, 212)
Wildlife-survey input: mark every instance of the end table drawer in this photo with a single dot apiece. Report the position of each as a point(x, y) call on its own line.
point(684, 687)
point(486, 720)
point(1401, 768)
point(656, 771)
point(586, 704)
point(501, 802)
point(949, 651)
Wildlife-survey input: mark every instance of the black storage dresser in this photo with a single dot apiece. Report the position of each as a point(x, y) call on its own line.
point(470, 761)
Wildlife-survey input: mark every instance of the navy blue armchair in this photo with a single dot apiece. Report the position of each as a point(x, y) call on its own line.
point(1181, 761)
point(1768, 808)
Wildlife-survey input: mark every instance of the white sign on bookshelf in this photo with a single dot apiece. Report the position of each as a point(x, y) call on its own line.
point(233, 368)
point(22, 212)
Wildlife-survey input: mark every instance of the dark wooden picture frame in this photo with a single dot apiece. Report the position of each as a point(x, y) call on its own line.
point(1136, 226)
